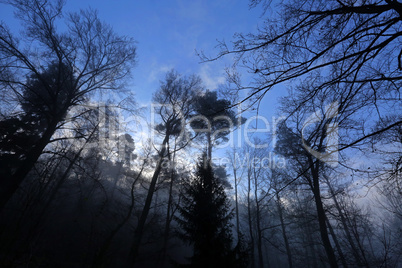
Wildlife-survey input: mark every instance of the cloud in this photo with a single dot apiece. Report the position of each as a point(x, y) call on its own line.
point(156, 72)
point(211, 78)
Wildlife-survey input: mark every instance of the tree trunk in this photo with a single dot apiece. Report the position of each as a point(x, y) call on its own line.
point(10, 184)
point(285, 237)
point(311, 245)
point(236, 204)
point(321, 214)
point(99, 257)
point(209, 149)
point(139, 231)
point(338, 247)
point(169, 209)
point(359, 260)
point(250, 222)
point(258, 221)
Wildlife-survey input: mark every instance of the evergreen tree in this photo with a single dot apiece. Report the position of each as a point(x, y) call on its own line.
point(217, 117)
point(205, 219)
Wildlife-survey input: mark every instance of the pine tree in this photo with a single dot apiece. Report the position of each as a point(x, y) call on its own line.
point(205, 219)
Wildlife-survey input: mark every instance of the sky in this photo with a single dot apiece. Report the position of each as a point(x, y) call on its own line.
point(168, 33)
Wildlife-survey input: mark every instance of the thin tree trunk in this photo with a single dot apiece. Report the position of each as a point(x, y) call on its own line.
point(250, 222)
point(258, 221)
point(321, 214)
point(169, 208)
point(236, 201)
point(236, 183)
point(139, 231)
point(338, 247)
point(99, 258)
point(209, 139)
point(345, 226)
point(284, 234)
point(311, 246)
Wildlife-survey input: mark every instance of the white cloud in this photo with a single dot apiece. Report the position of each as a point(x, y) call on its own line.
point(157, 72)
point(210, 77)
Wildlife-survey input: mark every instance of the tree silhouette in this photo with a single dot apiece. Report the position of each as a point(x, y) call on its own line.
point(44, 100)
point(205, 219)
point(174, 99)
point(47, 93)
point(326, 45)
point(216, 118)
point(45, 73)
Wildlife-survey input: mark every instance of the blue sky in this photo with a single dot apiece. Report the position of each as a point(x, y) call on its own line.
point(169, 32)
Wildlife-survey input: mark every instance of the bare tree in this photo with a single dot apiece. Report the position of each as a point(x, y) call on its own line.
point(49, 72)
point(350, 45)
point(290, 145)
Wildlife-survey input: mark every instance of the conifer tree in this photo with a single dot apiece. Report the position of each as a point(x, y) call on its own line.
point(205, 219)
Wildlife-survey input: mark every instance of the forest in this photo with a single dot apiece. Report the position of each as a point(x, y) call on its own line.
point(213, 182)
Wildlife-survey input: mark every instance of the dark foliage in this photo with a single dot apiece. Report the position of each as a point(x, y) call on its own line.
point(205, 220)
